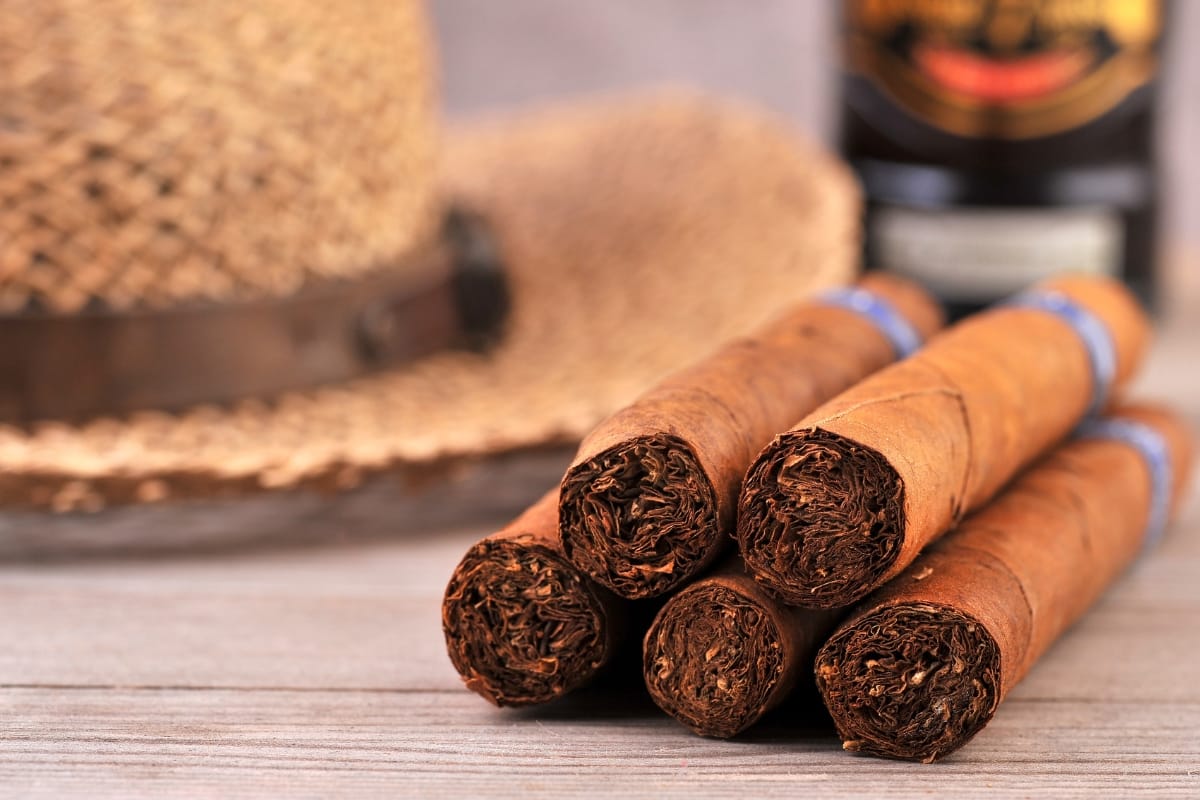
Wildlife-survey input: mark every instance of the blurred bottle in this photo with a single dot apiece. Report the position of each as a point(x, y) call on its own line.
point(1002, 141)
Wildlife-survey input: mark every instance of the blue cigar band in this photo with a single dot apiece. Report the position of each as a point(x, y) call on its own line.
point(903, 336)
point(1153, 449)
point(1096, 338)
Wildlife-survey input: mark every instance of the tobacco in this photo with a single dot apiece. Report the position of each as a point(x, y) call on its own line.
point(523, 625)
point(847, 498)
point(649, 501)
point(723, 652)
point(922, 665)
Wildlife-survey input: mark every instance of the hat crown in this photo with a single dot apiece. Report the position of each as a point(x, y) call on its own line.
point(156, 154)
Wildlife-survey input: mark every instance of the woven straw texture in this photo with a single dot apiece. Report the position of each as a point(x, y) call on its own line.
point(638, 234)
point(157, 153)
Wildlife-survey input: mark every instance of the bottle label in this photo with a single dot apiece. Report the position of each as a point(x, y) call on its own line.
point(1006, 69)
point(977, 254)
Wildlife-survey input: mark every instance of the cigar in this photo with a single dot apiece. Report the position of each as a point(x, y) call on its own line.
point(523, 625)
point(649, 501)
point(723, 652)
point(847, 498)
point(921, 666)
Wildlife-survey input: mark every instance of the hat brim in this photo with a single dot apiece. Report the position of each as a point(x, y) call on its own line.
point(636, 234)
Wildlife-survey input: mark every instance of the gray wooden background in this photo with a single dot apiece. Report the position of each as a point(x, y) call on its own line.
point(780, 52)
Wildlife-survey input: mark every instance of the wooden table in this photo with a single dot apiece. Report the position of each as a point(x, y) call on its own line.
point(318, 670)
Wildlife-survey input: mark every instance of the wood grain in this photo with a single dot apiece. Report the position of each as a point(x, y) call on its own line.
point(320, 671)
point(367, 617)
point(149, 743)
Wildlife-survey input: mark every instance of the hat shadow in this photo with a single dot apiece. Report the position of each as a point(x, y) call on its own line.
point(417, 504)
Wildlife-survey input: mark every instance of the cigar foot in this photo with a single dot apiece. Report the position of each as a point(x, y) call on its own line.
point(640, 517)
point(820, 518)
point(713, 660)
point(522, 625)
point(913, 681)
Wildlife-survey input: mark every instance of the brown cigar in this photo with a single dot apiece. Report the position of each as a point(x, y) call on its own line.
point(723, 652)
point(921, 666)
point(849, 497)
point(649, 500)
point(522, 624)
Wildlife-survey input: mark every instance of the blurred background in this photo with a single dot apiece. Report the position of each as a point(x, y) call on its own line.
point(782, 53)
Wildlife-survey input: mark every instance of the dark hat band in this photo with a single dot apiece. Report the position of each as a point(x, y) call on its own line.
point(73, 367)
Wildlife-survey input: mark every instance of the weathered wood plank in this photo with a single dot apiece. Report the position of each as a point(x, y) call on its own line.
point(367, 617)
point(256, 744)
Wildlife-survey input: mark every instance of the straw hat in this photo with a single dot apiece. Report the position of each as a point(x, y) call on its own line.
point(205, 208)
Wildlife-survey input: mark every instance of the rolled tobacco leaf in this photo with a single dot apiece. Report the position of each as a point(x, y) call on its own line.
point(722, 652)
point(846, 499)
point(921, 666)
point(523, 625)
point(649, 500)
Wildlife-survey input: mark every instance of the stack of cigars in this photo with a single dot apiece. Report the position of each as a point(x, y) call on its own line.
point(907, 515)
